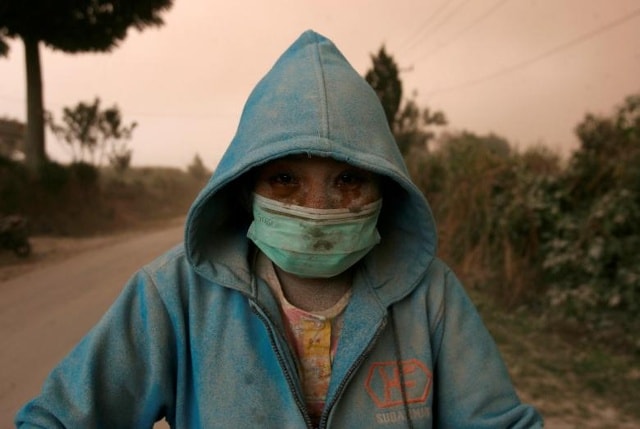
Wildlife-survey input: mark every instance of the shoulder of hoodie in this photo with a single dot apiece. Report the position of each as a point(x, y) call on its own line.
point(436, 278)
point(439, 282)
point(170, 272)
point(173, 267)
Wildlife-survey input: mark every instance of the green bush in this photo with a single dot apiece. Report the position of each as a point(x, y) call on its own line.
point(489, 206)
point(591, 257)
point(53, 177)
point(531, 230)
point(84, 174)
point(13, 178)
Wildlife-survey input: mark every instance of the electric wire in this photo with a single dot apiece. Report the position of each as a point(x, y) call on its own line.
point(439, 24)
point(528, 62)
point(470, 26)
point(411, 39)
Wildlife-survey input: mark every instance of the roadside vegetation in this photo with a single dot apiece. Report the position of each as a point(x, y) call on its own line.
point(82, 200)
point(549, 251)
point(548, 248)
point(98, 192)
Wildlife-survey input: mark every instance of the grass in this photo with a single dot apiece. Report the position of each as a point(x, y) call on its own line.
point(577, 383)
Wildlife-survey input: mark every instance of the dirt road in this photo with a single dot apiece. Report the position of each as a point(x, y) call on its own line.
point(46, 309)
point(50, 301)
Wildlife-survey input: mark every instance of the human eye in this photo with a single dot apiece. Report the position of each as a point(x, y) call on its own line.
point(277, 173)
point(353, 178)
point(282, 179)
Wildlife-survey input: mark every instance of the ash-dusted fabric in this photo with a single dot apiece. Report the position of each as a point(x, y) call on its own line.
point(197, 337)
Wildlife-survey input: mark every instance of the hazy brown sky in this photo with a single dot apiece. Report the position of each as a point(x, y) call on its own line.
point(528, 70)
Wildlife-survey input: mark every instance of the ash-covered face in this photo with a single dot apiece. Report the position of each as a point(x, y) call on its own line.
point(317, 182)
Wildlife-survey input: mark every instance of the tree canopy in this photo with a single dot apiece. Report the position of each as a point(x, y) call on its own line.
point(91, 132)
point(70, 26)
point(385, 80)
point(78, 26)
point(409, 124)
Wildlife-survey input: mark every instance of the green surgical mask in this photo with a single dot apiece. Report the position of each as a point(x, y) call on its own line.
point(312, 242)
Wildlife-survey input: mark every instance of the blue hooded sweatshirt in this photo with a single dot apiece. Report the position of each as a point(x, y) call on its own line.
point(197, 338)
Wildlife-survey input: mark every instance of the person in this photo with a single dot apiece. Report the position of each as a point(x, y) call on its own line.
point(307, 293)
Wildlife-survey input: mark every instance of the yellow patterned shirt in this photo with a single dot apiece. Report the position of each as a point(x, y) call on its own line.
point(313, 337)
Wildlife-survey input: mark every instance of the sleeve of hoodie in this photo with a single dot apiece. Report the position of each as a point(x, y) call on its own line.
point(472, 384)
point(119, 375)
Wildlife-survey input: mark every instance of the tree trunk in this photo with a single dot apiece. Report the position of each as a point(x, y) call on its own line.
point(34, 139)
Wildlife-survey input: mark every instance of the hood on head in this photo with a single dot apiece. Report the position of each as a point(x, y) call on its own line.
point(313, 102)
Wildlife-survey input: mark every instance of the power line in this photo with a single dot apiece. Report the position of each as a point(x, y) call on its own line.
point(430, 18)
point(526, 63)
point(439, 24)
point(477, 21)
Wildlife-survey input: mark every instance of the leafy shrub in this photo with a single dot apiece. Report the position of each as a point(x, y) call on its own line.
point(197, 168)
point(13, 178)
point(53, 176)
point(489, 204)
point(121, 160)
point(85, 174)
point(592, 258)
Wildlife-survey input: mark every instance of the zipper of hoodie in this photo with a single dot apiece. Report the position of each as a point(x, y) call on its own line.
point(302, 407)
point(349, 374)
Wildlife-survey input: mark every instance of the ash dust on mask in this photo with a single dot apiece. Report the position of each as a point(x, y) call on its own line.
point(310, 242)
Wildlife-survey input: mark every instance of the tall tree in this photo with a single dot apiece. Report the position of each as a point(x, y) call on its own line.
point(385, 80)
point(408, 124)
point(412, 126)
point(71, 26)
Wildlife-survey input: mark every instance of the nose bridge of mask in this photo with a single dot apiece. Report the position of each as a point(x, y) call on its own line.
point(317, 214)
point(312, 230)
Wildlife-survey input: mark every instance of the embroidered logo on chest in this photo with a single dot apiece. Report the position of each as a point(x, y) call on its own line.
point(386, 382)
